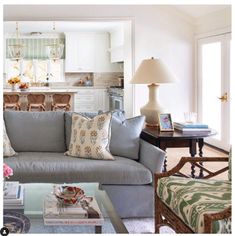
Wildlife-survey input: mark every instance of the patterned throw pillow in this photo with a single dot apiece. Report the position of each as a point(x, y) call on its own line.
point(8, 151)
point(90, 138)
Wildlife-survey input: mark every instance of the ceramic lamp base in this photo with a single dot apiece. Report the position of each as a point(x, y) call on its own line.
point(152, 109)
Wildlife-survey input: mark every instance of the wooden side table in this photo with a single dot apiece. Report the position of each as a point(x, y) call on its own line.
point(176, 139)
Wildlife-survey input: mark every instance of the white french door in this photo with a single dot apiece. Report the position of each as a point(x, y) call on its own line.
point(214, 87)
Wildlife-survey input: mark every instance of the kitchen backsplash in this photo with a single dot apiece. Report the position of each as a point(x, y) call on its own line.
point(75, 79)
point(96, 79)
point(106, 79)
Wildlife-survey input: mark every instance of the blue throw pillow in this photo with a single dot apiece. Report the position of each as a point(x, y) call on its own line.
point(125, 136)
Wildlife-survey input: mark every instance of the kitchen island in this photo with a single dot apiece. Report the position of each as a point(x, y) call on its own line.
point(83, 99)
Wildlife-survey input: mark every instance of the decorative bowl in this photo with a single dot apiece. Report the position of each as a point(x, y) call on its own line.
point(68, 195)
point(16, 222)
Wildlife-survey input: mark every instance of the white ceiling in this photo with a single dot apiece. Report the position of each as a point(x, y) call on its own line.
point(196, 11)
point(26, 27)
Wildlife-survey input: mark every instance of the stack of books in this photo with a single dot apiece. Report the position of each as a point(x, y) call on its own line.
point(85, 212)
point(189, 128)
point(13, 198)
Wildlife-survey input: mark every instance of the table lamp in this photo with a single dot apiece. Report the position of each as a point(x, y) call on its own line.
point(152, 72)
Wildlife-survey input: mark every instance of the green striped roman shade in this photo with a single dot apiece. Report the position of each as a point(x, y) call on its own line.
point(35, 48)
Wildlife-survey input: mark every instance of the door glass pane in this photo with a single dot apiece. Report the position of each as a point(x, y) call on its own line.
point(211, 86)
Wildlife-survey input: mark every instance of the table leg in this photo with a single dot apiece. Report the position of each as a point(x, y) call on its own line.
point(193, 151)
point(162, 146)
point(200, 146)
point(98, 229)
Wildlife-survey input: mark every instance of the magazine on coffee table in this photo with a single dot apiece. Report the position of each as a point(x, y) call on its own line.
point(85, 212)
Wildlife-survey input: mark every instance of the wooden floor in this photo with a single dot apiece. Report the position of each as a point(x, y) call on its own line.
point(174, 155)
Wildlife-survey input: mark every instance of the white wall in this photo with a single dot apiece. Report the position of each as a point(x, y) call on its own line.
point(212, 22)
point(159, 31)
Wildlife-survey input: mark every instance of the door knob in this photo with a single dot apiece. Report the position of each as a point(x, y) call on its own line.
point(224, 98)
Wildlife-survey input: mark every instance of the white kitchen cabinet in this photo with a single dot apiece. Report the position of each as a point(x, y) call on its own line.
point(91, 100)
point(102, 100)
point(79, 52)
point(88, 52)
point(116, 43)
point(102, 57)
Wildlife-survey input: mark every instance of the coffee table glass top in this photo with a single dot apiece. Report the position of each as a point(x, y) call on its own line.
point(33, 209)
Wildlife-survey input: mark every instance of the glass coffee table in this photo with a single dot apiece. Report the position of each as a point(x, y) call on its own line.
point(35, 194)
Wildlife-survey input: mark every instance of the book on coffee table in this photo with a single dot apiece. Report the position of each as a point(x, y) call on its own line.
point(85, 212)
point(19, 200)
point(11, 189)
point(14, 204)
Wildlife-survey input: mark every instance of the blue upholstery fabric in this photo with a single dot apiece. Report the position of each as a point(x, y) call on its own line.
point(125, 136)
point(57, 168)
point(35, 131)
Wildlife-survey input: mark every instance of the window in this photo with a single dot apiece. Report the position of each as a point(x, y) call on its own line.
point(36, 70)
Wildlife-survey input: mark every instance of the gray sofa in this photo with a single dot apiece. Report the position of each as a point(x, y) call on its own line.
point(41, 138)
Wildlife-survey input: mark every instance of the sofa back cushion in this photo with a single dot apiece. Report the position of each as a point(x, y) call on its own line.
point(68, 123)
point(35, 131)
point(125, 136)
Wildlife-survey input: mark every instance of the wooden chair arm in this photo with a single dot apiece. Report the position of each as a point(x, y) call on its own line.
point(195, 161)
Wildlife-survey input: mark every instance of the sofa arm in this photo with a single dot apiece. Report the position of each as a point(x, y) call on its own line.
point(151, 157)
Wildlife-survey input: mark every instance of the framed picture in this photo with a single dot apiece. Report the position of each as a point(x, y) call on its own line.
point(165, 122)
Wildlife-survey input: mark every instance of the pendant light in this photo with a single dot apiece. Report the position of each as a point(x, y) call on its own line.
point(16, 50)
point(55, 50)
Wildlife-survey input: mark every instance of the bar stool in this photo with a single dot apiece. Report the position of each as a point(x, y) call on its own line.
point(11, 102)
point(61, 102)
point(36, 101)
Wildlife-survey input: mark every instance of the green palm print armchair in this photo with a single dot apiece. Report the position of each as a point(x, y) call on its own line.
point(190, 205)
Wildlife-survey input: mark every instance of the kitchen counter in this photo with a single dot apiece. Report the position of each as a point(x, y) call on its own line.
point(40, 90)
point(69, 89)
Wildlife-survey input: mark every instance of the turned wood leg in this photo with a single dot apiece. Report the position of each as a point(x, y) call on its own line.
point(163, 147)
point(193, 151)
point(200, 146)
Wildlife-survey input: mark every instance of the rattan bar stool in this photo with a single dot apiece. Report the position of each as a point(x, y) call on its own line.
point(36, 102)
point(61, 102)
point(11, 102)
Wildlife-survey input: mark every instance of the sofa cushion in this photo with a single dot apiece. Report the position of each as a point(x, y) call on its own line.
point(57, 168)
point(68, 123)
point(90, 138)
point(190, 199)
point(125, 136)
point(36, 131)
point(8, 151)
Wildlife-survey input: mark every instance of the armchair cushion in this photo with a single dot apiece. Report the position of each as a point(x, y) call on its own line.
point(190, 199)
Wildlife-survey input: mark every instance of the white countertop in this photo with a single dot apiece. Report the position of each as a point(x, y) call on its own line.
point(71, 89)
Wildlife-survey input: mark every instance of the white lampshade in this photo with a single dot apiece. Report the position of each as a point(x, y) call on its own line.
point(153, 71)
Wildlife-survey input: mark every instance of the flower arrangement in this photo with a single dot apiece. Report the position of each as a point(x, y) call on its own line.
point(7, 171)
point(14, 80)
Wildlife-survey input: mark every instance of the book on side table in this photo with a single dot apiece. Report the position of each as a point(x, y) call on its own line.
point(192, 127)
point(85, 212)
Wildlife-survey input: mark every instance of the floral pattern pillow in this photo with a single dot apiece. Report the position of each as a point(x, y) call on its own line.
point(8, 151)
point(90, 138)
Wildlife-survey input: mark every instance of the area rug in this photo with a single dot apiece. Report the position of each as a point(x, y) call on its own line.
point(133, 225)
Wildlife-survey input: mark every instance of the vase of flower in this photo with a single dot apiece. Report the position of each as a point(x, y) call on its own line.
point(7, 172)
point(13, 87)
point(13, 81)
